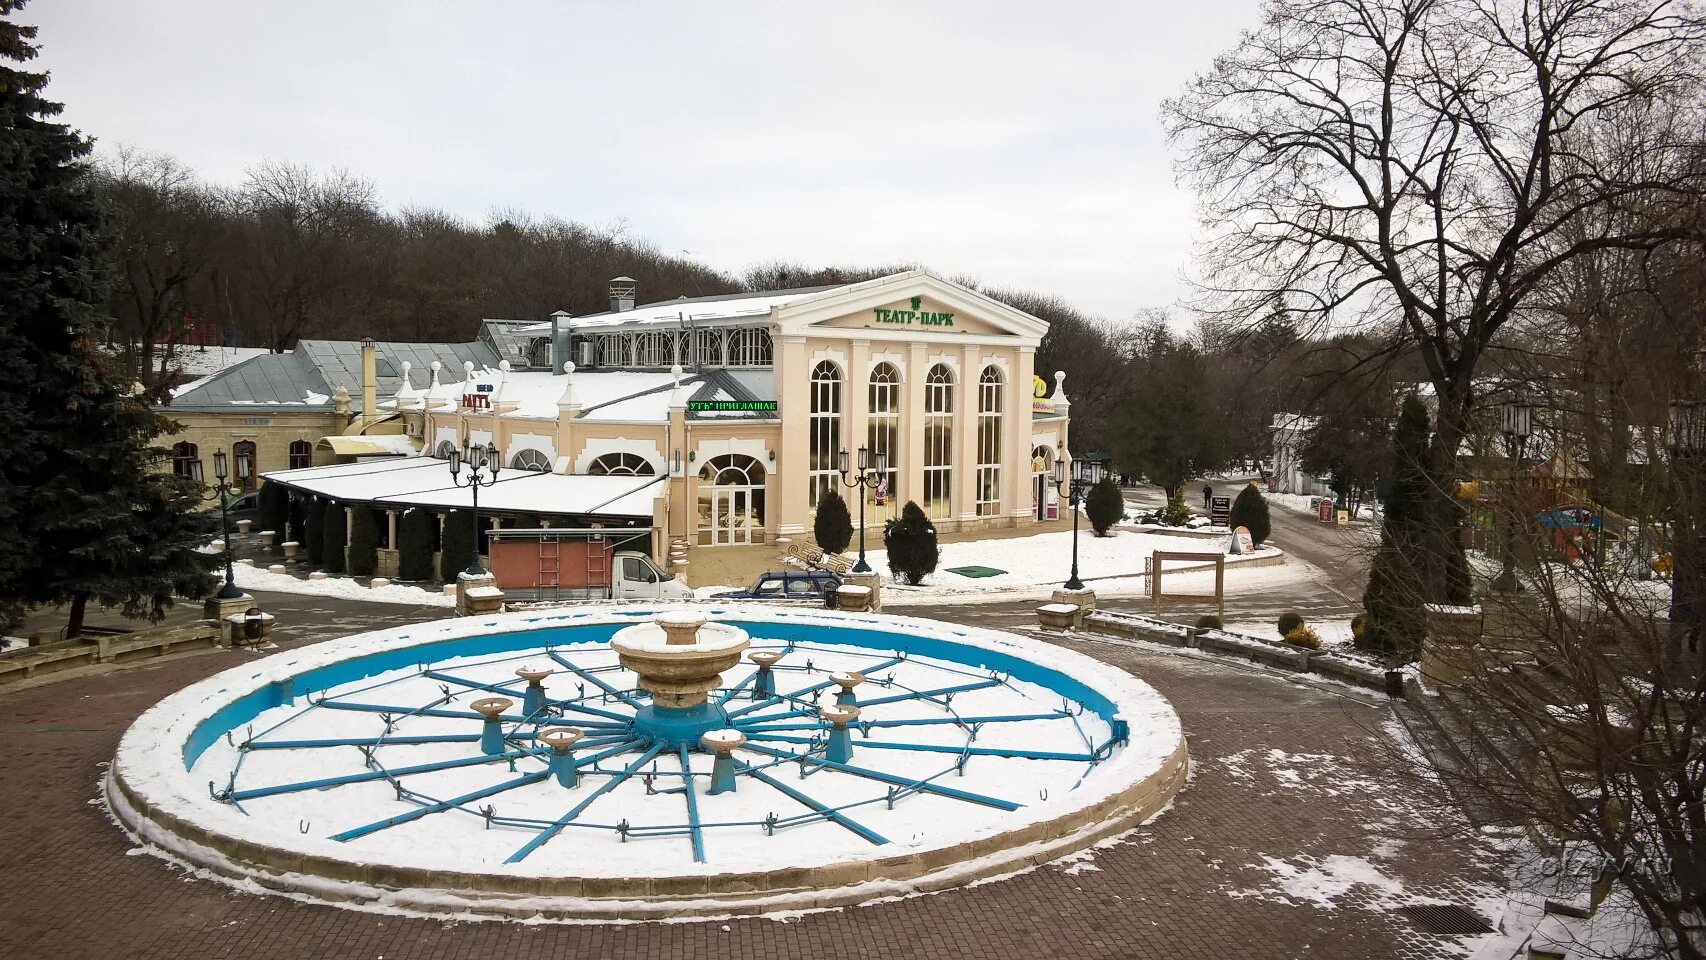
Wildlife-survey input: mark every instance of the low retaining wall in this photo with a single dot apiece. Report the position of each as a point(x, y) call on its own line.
point(1355, 671)
point(27, 662)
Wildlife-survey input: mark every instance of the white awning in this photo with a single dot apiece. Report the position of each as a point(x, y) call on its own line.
point(372, 445)
point(426, 482)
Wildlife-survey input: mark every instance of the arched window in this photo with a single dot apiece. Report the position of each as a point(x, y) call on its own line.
point(653, 349)
point(301, 454)
point(989, 386)
point(826, 430)
point(621, 465)
point(530, 459)
point(938, 442)
point(1042, 464)
point(186, 460)
point(708, 346)
point(445, 450)
point(243, 464)
point(749, 347)
point(610, 351)
point(731, 500)
point(883, 434)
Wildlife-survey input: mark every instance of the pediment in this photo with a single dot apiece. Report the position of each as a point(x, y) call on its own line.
point(908, 305)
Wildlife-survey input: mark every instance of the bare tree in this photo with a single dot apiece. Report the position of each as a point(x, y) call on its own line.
point(1412, 166)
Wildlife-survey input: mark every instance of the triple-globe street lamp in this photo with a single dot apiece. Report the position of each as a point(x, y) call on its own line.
point(229, 591)
point(868, 476)
point(482, 463)
point(1085, 474)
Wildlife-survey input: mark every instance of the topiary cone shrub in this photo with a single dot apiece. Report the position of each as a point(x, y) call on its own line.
point(314, 530)
point(1210, 622)
point(456, 548)
point(1251, 510)
point(298, 532)
point(363, 542)
point(833, 528)
point(911, 544)
point(1104, 506)
point(416, 532)
point(336, 527)
point(275, 511)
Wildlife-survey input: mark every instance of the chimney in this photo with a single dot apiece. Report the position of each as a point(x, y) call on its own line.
point(369, 381)
point(562, 340)
point(622, 294)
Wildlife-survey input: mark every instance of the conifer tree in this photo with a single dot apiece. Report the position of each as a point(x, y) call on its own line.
point(363, 542)
point(335, 530)
point(297, 532)
point(1393, 599)
point(833, 527)
point(1250, 509)
point(416, 533)
point(86, 516)
point(1104, 506)
point(314, 530)
point(456, 547)
point(911, 544)
point(275, 511)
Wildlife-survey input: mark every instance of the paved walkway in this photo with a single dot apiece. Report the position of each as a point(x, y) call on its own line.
point(1289, 781)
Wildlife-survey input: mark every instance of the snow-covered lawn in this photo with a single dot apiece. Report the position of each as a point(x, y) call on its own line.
point(252, 578)
point(1333, 633)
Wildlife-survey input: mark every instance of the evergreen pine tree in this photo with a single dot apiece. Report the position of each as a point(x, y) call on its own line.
point(335, 531)
point(456, 549)
point(416, 532)
point(85, 514)
point(833, 528)
point(297, 532)
point(314, 530)
point(275, 511)
point(911, 545)
point(1104, 506)
point(1250, 509)
point(1393, 601)
point(363, 541)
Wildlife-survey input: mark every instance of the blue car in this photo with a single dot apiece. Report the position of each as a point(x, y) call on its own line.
point(798, 586)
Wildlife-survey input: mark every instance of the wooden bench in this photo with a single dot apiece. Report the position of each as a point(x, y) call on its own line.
point(814, 557)
point(66, 654)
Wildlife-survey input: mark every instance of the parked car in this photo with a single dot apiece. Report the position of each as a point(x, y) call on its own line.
point(798, 586)
point(243, 506)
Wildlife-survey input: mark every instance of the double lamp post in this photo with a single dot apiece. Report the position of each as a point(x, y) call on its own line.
point(1085, 474)
point(482, 463)
point(229, 591)
point(868, 477)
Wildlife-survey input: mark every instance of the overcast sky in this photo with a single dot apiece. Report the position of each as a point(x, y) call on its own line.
point(1016, 142)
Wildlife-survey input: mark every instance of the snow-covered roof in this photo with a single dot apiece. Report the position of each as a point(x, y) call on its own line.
point(723, 307)
point(426, 482)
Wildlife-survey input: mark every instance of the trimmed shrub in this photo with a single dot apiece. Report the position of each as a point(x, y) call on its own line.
point(1303, 636)
point(833, 528)
point(456, 548)
point(297, 531)
point(1177, 512)
point(416, 531)
point(363, 543)
point(1250, 509)
point(336, 527)
point(314, 530)
point(1359, 627)
point(1210, 622)
point(275, 511)
point(1104, 506)
point(911, 545)
point(1289, 621)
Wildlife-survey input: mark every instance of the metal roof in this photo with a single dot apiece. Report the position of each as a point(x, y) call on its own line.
point(319, 367)
point(274, 379)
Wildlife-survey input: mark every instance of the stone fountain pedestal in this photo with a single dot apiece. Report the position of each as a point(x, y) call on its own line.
point(680, 659)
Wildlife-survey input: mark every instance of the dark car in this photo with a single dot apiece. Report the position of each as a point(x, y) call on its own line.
point(243, 506)
point(803, 586)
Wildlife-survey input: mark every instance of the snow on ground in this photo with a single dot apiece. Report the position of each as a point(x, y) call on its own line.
point(1333, 633)
point(13, 643)
point(252, 578)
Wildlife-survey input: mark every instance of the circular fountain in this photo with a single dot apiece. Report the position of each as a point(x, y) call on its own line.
point(623, 763)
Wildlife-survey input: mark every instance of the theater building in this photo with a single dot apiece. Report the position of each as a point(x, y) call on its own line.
point(719, 420)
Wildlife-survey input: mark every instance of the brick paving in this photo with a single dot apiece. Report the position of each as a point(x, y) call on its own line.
point(1190, 884)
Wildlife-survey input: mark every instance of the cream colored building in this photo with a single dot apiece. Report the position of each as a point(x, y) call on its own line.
point(719, 420)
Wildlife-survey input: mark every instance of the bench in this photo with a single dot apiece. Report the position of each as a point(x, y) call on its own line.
point(814, 557)
point(66, 654)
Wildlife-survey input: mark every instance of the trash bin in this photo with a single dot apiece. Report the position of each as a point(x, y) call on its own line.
point(252, 621)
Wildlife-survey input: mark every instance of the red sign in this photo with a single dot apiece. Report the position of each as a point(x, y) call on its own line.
point(477, 400)
point(1326, 508)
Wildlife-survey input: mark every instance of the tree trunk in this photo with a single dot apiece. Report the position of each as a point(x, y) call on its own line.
point(74, 625)
point(1445, 568)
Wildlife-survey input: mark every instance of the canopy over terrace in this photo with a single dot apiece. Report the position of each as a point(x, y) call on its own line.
point(406, 482)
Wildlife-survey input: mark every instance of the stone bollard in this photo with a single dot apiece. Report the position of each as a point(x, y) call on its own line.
point(840, 748)
point(243, 526)
point(318, 575)
point(852, 598)
point(534, 700)
point(450, 589)
point(562, 741)
point(275, 568)
point(290, 549)
point(764, 685)
point(492, 728)
point(723, 743)
point(378, 582)
point(477, 595)
point(872, 581)
point(847, 681)
point(217, 546)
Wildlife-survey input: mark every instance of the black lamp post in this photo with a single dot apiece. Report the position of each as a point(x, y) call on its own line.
point(1517, 424)
point(1084, 474)
point(866, 477)
point(482, 470)
point(229, 591)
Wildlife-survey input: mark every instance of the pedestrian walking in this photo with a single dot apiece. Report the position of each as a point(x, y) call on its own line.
point(1207, 496)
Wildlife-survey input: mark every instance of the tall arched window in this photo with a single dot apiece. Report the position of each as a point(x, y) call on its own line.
point(1042, 463)
point(621, 465)
point(731, 500)
point(301, 454)
point(186, 460)
point(243, 464)
point(883, 433)
point(938, 442)
point(708, 348)
point(653, 349)
point(826, 430)
point(989, 386)
point(609, 352)
point(749, 347)
point(530, 459)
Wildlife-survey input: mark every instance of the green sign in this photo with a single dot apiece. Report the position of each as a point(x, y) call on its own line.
point(732, 406)
point(924, 318)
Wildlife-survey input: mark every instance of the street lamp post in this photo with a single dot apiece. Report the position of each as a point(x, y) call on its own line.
point(229, 591)
point(1084, 474)
point(1517, 424)
point(866, 478)
point(482, 470)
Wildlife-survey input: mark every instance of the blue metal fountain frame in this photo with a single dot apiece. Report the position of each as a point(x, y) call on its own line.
point(609, 733)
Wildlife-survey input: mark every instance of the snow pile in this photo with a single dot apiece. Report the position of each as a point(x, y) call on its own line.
point(254, 578)
point(1324, 881)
